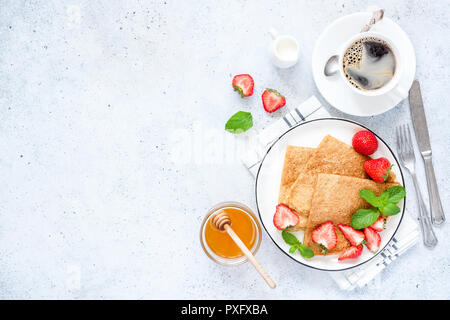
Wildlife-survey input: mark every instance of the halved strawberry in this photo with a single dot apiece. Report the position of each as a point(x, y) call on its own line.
point(350, 253)
point(243, 83)
point(325, 236)
point(284, 217)
point(373, 239)
point(378, 225)
point(272, 100)
point(354, 236)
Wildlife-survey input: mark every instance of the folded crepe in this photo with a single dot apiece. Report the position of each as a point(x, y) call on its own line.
point(332, 156)
point(294, 160)
point(336, 198)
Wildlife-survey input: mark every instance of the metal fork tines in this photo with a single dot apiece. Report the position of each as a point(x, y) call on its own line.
point(408, 160)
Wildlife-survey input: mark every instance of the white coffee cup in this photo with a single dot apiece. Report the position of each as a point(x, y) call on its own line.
point(283, 50)
point(393, 87)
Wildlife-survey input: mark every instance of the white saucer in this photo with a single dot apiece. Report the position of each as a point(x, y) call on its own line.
point(334, 90)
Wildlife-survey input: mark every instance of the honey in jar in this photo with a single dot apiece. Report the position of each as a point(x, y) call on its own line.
point(243, 223)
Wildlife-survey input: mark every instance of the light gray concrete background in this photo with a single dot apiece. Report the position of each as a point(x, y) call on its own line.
point(113, 148)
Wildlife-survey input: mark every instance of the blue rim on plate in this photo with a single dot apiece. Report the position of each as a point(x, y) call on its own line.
point(259, 213)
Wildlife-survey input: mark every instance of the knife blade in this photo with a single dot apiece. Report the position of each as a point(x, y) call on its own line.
point(423, 141)
point(419, 119)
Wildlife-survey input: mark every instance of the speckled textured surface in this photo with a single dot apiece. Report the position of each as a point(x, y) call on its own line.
point(111, 117)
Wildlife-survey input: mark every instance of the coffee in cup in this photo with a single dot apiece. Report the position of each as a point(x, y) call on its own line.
point(369, 63)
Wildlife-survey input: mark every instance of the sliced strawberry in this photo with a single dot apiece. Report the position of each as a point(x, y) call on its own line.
point(373, 239)
point(354, 236)
point(284, 217)
point(243, 83)
point(325, 236)
point(272, 100)
point(378, 225)
point(350, 253)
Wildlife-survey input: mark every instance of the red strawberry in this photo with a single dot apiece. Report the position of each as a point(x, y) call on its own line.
point(325, 236)
point(350, 253)
point(354, 236)
point(272, 100)
point(243, 83)
point(365, 142)
point(378, 169)
point(379, 224)
point(373, 239)
point(284, 217)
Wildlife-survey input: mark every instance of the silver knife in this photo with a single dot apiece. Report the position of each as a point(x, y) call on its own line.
point(423, 140)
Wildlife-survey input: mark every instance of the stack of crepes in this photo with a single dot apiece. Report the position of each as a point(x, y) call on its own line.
point(323, 184)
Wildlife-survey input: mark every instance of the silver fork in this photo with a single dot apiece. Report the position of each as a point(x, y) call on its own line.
point(408, 159)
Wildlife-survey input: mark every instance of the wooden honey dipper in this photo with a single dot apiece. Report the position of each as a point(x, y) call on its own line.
point(223, 222)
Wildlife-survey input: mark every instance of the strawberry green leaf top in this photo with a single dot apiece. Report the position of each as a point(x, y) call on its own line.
point(386, 175)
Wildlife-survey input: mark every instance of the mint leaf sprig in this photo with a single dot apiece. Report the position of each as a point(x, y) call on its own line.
point(240, 122)
point(292, 240)
point(386, 203)
point(364, 218)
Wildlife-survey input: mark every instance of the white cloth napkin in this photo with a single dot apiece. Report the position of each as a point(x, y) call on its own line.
point(406, 236)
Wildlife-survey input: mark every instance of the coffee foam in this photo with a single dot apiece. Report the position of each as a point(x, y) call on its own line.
point(364, 71)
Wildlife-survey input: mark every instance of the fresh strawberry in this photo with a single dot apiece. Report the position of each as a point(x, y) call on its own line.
point(325, 236)
point(354, 236)
point(378, 225)
point(272, 100)
point(284, 217)
point(350, 253)
point(378, 169)
point(373, 239)
point(365, 142)
point(243, 83)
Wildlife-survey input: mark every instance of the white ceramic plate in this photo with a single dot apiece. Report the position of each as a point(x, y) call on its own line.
point(309, 134)
point(334, 90)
